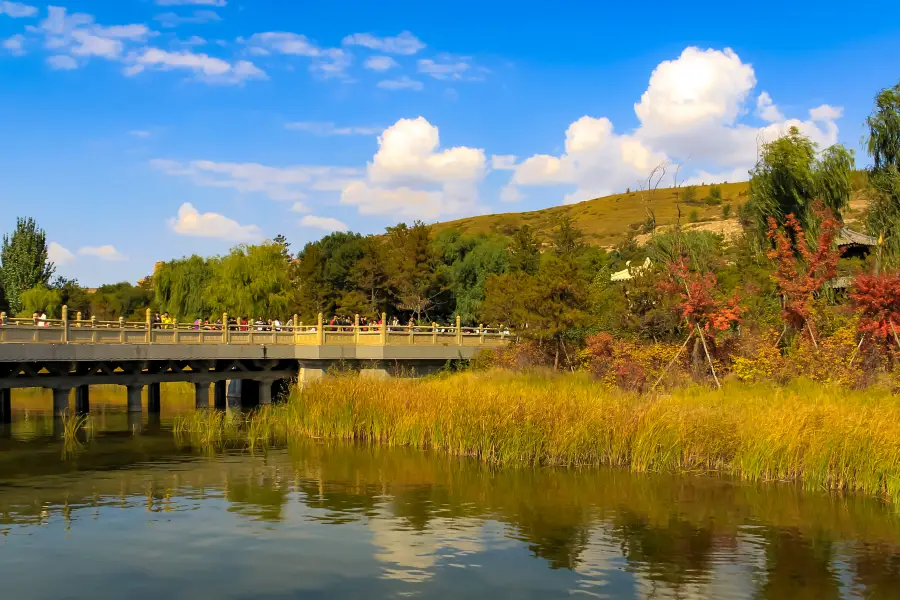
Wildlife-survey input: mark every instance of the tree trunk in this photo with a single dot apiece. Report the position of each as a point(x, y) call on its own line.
point(556, 358)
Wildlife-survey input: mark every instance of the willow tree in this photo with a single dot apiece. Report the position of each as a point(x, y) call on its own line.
point(253, 281)
point(884, 175)
point(24, 263)
point(791, 176)
point(181, 287)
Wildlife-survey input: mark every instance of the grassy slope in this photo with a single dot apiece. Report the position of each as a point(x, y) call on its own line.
point(607, 221)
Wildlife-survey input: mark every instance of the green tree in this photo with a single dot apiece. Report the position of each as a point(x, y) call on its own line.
point(254, 281)
point(568, 240)
point(122, 299)
point(486, 256)
point(23, 262)
point(689, 194)
point(370, 274)
point(524, 251)
point(415, 276)
point(73, 296)
point(181, 287)
point(883, 146)
point(789, 178)
point(41, 299)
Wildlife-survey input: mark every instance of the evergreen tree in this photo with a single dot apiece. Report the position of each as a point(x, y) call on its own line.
point(23, 262)
point(524, 251)
point(884, 176)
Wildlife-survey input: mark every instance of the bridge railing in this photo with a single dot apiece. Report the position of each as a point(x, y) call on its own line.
point(294, 332)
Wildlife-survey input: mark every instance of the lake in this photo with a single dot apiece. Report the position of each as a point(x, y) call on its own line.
point(137, 516)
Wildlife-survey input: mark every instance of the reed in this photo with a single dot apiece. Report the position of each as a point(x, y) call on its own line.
point(827, 438)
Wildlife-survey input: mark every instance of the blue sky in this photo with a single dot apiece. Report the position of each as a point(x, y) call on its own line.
point(143, 130)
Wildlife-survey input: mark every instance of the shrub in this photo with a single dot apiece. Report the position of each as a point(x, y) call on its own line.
point(726, 211)
point(694, 216)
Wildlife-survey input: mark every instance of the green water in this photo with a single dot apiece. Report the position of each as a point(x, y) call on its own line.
point(135, 516)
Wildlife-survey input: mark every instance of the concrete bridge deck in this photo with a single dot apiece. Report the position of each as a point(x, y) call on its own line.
point(64, 354)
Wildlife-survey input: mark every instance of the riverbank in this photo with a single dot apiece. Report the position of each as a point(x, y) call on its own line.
point(825, 437)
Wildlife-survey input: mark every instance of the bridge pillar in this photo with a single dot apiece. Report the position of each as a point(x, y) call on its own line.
point(220, 395)
point(233, 390)
point(136, 420)
point(249, 393)
point(265, 391)
point(374, 370)
point(134, 397)
point(201, 394)
point(154, 398)
point(309, 373)
point(5, 406)
point(82, 399)
point(60, 401)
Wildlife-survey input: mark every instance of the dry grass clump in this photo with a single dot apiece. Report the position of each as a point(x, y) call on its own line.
point(824, 436)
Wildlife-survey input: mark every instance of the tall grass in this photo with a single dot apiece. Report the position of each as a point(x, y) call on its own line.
point(826, 437)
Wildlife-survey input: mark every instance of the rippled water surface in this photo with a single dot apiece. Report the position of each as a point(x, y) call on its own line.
point(132, 515)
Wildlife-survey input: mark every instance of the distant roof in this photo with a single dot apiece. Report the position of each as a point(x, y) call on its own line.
point(847, 237)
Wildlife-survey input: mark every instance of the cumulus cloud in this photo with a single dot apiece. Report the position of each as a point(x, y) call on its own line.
point(380, 63)
point(411, 177)
point(299, 207)
point(190, 221)
point(56, 253)
point(15, 45)
point(278, 183)
point(17, 10)
point(106, 252)
point(405, 43)
point(691, 110)
point(328, 128)
point(401, 83)
point(767, 110)
point(327, 62)
point(324, 223)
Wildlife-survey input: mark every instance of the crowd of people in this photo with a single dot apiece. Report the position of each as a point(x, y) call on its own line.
point(336, 323)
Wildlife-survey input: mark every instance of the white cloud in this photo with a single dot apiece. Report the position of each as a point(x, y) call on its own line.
point(218, 3)
point(380, 63)
point(278, 183)
point(691, 110)
point(62, 62)
point(106, 252)
point(59, 255)
point(207, 68)
point(199, 17)
point(510, 194)
point(405, 43)
point(190, 221)
point(410, 177)
point(299, 207)
point(17, 10)
point(140, 133)
point(446, 67)
point(15, 45)
point(826, 112)
point(327, 62)
point(92, 45)
point(401, 83)
point(194, 40)
point(324, 223)
point(503, 162)
point(328, 128)
point(767, 110)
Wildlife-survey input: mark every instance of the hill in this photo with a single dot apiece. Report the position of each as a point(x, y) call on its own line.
point(608, 221)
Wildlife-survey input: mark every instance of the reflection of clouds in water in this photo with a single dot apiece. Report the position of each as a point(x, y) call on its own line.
point(736, 570)
point(411, 555)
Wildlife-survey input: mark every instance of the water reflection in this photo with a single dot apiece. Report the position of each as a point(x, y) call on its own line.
point(135, 516)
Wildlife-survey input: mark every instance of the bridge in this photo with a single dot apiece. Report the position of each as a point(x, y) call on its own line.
point(245, 365)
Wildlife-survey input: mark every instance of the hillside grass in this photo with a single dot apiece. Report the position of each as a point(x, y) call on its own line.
point(607, 221)
point(825, 437)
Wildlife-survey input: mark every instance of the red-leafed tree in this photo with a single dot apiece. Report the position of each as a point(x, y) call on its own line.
point(705, 311)
point(878, 297)
point(800, 269)
point(698, 302)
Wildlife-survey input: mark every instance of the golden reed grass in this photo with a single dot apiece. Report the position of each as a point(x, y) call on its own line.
point(828, 438)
